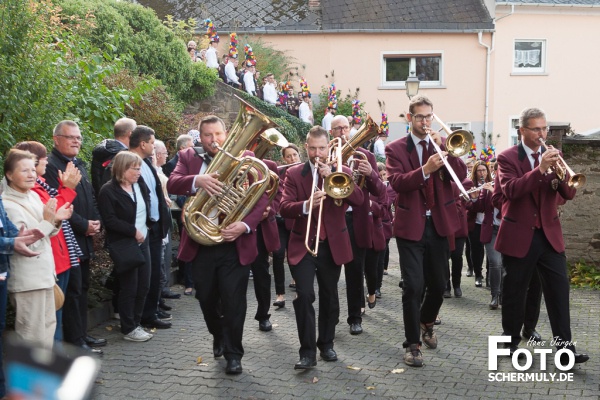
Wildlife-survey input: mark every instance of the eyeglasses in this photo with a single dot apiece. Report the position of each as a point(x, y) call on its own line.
point(136, 168)
point(538, 130)
point(419, 117)
point(341, 128)
point(73, 138)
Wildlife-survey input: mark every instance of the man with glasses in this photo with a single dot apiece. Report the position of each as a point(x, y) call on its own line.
point(425, 217)
point(530, 235)
point(85, 222)
point(360, 217)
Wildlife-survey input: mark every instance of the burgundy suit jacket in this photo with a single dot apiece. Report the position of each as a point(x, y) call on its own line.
point(484, 205)
point(360, 214)
point(406, 177)
point(387, 219)
point(528, 192)
point(297, 189)
point(462, 228)
point(180, 183)
point(268, 225)
point(379, 208)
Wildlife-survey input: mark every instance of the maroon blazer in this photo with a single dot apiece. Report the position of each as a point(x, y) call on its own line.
point(379, 208)
point(297, 189)
point(406, 177)
point(484, 205)
point(180, 183)
point(360, 214)
point(462, 230)
point(387, 219)
point(528, 192)
point(289, 222)
point(268, 225)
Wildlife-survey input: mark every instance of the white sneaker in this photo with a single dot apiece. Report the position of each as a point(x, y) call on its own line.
point(138, 335)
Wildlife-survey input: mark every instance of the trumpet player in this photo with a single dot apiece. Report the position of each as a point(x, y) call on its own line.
point(220, 272)
point(425, 217)
point(363, 238)
point(334, 248)
point(530, 235)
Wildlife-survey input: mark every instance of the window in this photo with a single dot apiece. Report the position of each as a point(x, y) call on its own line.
point(459, 125)
point(529, 56)
point(398, 66)
point(514, 131)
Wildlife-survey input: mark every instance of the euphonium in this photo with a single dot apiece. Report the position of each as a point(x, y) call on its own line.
point(266, 141)
point(245, 180)
point(367, 131)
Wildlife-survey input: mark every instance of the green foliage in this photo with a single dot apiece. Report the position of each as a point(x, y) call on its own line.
point(184, 30)
point(344, 104)
point(271, 60)
point(584, 275)
point(50, 73)
point(146, 45)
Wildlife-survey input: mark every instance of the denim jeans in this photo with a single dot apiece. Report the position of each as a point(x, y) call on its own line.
point(3, 293)
point(63, 280)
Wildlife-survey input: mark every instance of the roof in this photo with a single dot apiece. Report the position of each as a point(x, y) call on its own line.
point(551, 2)
point(339, 15)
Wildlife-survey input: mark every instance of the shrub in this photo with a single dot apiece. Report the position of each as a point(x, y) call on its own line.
point(584, 275)
point(344, 104)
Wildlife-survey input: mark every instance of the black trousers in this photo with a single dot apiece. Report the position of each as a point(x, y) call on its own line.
point(221, 283)
point(552, 269)
point(261, 278)
point(424, 266)
point(355, 272)
point(279, 257)
point(533, 302)
point(76, 303)
point(382, 263)
point(156, 251)
point(477, 251)
point(134, 286)
point(371, 269)
point(457, 262)
point(328, 275)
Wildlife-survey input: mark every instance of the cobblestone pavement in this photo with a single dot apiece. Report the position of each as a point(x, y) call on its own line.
point(370, 365)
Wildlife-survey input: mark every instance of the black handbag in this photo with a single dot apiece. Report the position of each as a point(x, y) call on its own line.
point(126, 255)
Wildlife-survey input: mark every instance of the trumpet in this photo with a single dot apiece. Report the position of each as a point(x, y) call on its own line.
point(561, 168)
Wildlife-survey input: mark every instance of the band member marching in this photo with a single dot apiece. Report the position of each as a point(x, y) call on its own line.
point(333, 248)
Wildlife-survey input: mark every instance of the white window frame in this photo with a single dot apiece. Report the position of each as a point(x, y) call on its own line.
point(513, 136)
point(530, 70)
point(412, 67)
point(459, 125)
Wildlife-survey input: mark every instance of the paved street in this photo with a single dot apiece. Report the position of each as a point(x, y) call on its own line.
point(369, 366)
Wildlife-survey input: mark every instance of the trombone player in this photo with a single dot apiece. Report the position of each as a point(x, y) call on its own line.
point(333, 247)
point(530, 235)
point(425, 217)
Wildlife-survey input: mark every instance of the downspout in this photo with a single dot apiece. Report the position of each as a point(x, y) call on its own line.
point(488, 56)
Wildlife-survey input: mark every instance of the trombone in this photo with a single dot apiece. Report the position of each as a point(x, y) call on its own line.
point(458, 143)
point(561, 168)
point(337, 185)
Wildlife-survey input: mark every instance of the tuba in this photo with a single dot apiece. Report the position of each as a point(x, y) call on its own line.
point(245, 179)
point(266, 141)
point(367, 131)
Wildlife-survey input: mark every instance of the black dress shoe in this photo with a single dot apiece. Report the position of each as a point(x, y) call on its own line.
point(163, 315)
point(457, 292)
point(531, 334)
point(167, 294)
point(157, 324)
point(356, 329)
point(306, 363)
point(93, 342)
point(265, 325)
point(401, 284)
point(163, 306)
point(218, 348)
point(447, 294)
point(92, 350)
point(495, 302)
point(377, 293)
point(292, 285)
point(329, 355)
point(579, 358)
point(470, 273)
point(373, 304)
point(279, 303)
point(234, 367)
point(478, 282)
point(514, 348)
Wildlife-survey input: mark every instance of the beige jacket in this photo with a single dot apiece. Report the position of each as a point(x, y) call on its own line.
point(29, 273)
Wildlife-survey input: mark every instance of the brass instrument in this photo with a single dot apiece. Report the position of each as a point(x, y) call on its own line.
point(367, 131)
point(286, 166)
point(561, 168)
point(337, 185)
point(458, 143)
point(266, 141)
point(245, 180)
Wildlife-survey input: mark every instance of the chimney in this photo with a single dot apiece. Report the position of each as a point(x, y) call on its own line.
point(314, 5)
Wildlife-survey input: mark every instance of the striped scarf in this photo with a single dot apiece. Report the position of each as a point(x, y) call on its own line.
point(72, 245)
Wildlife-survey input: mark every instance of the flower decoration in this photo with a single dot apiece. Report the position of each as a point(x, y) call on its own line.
point(332, 98)
point(356, 111)
point(250, 59)
point(304, 87)
point(488, 154)
point(211, 32)
point(233, 42)
point(473, 152)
